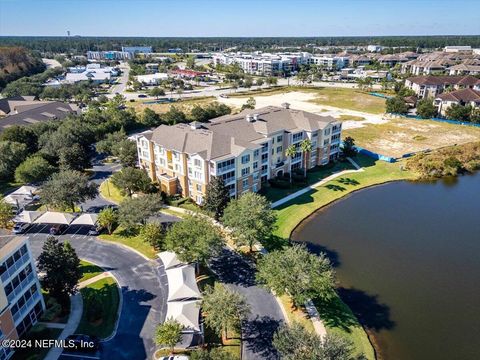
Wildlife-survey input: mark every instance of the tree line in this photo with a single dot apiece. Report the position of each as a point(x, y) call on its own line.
point(80, 45)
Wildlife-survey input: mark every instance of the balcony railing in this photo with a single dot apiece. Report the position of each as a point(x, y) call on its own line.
point(21, 287)
point(22, 312)
point(224, 169)
point(17, 265)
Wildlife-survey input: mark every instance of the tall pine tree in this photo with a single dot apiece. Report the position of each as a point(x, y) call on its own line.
point(217, 197)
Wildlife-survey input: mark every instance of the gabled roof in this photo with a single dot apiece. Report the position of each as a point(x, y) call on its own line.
point(464, 95)
point(443, 80)
point(38, 112)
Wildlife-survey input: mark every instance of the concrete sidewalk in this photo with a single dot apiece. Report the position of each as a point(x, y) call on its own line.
point(76, 310)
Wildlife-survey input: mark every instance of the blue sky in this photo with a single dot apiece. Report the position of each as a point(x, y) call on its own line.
point(239, 18)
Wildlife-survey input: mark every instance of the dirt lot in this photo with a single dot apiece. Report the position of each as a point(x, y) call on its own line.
point(401, 136)
point(184, 105)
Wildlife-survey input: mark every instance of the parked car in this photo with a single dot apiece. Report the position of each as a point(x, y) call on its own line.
point(224, 96)
point(20, 228)
point(80, 342)
point(174, 357)
point(57, 229)
point(142, 96)
point(94, 231)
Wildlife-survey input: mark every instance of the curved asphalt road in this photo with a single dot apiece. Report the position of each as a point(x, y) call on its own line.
point(144, 288)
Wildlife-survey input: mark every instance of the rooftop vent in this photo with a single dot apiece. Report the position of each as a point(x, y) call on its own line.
point(255, 117)
point(249, 118)
point(286, 105)
point(195, 125)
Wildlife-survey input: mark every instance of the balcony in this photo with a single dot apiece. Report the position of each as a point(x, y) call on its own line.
point(19, 264)
point(29, 304)
point(229, 180)
point(21, 287)
point(224, 169)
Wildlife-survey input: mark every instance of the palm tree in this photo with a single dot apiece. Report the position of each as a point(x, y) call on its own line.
point(291, 152)
point(306, 147)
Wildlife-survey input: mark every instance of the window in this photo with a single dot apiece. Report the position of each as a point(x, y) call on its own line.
point(255, 176)
point(197, 162)
point(256, 153)
point(297, 137)
point(255, 165)
point(197, 175)
point(279, 138)
point(245, 159)
point(226, 165)
point(245, 171)
point(245, 184)
point(326, 132)
point(314, 134)
point(198, 187)
point(326, 142)
point(279, 149)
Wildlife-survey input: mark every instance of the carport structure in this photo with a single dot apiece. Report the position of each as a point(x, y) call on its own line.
point(54, 217)
point(85, 219)
point(28, 217)
point(21, 197)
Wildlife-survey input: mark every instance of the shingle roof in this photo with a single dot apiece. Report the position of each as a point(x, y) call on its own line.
point(232, 134)
point(38, 112)
point(443, 80)
point(464, 95)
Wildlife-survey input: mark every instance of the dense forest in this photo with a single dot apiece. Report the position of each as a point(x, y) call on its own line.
point(79, 45)
point(16, 62)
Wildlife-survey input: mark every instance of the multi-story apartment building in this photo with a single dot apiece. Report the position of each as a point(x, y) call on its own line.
point(330, 62)
point(21, 301)
point(431, 86)
point(245, 149)
point(258, 63)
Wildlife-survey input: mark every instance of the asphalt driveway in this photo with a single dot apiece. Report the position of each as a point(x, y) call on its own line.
point(144, 288)
point(265, 317)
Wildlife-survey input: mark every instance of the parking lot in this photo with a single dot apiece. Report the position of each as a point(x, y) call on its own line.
point(40, 231)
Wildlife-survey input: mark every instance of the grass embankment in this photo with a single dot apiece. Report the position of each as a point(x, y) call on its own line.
point(38, 332)
point(100, 308)
point(110, 192)
point(290, 214)
point(350, 118)
point(449, 161)
point(335, 314)
point(313, 176)
point(89, 270)
point(131, 240)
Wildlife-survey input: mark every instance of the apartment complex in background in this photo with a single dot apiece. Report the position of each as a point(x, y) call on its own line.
point(431, 86)
point(245, 149)
point(21, 301)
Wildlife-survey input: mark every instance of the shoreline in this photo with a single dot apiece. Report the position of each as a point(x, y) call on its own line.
point(370, 334)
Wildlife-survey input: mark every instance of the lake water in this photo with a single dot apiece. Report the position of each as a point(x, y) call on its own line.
point(407, 257)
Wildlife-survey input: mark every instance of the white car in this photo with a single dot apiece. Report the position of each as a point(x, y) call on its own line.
point(174, 357)
point(20, 228)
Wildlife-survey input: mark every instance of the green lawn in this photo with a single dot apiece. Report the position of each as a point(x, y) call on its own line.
point(290, 214)
point(111, 192)
point(89, 270)
point(38, 332)
point(131, 240)
point(336, 315)
point(315, 175)
point(100, 307)
point(339, 320)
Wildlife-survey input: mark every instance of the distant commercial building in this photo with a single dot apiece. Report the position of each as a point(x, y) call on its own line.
point(374, 48)
point(245, 150)
point(457, 48)
point(109, 55)
point(330, 62)
point(152, 79)
point(92, 72)
point(21, 301)
point(137, 49)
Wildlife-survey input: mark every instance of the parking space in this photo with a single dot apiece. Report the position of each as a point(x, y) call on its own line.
point(79, 356)
point(43, 230)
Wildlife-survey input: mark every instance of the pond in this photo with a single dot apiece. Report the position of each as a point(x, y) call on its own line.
point(407, 256)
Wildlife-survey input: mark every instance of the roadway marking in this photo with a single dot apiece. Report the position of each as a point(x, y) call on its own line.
point(81, 356)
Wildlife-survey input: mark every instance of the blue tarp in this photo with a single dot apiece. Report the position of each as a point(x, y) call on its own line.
point(374, 155)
